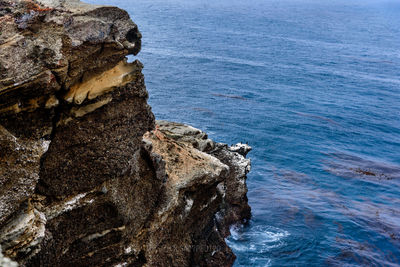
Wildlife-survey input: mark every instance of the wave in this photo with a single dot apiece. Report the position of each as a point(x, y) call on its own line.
point(263, 238)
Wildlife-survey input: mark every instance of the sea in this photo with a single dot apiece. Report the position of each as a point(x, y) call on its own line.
point(314, 87)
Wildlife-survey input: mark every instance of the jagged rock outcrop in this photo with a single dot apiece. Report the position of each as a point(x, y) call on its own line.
point(234, 206)
point(207, 184)
point(86, 177)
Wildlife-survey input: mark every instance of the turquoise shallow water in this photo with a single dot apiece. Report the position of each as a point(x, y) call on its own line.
point(314, 87)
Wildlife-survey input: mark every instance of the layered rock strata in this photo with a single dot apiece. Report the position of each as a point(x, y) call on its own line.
point(86, 176)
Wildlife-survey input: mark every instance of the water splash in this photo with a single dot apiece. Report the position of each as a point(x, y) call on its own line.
point(263, 239)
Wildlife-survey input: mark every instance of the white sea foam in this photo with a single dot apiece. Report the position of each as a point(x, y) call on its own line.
point(264, 238)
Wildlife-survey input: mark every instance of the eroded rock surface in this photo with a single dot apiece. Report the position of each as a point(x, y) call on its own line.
point(48, 46)
point(86, 178)
point(206, 183)
point(234, 206)
point(6, 262)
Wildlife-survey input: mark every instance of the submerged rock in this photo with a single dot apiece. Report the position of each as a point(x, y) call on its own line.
point(86, 178)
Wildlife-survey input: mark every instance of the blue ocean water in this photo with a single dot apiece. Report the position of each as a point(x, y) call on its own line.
point(314, 87)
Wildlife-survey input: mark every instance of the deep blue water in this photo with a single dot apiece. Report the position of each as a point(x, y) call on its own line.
point(314, 87)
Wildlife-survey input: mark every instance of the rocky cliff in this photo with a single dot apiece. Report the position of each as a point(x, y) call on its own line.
point(87, 178)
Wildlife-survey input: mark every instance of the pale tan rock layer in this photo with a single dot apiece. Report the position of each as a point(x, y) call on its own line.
point(101, 83)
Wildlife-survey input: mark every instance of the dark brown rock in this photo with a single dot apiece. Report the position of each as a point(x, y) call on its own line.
point(19, 171)
point(98, 146)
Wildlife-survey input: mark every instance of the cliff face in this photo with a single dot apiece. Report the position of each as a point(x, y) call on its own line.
point(85, 177)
